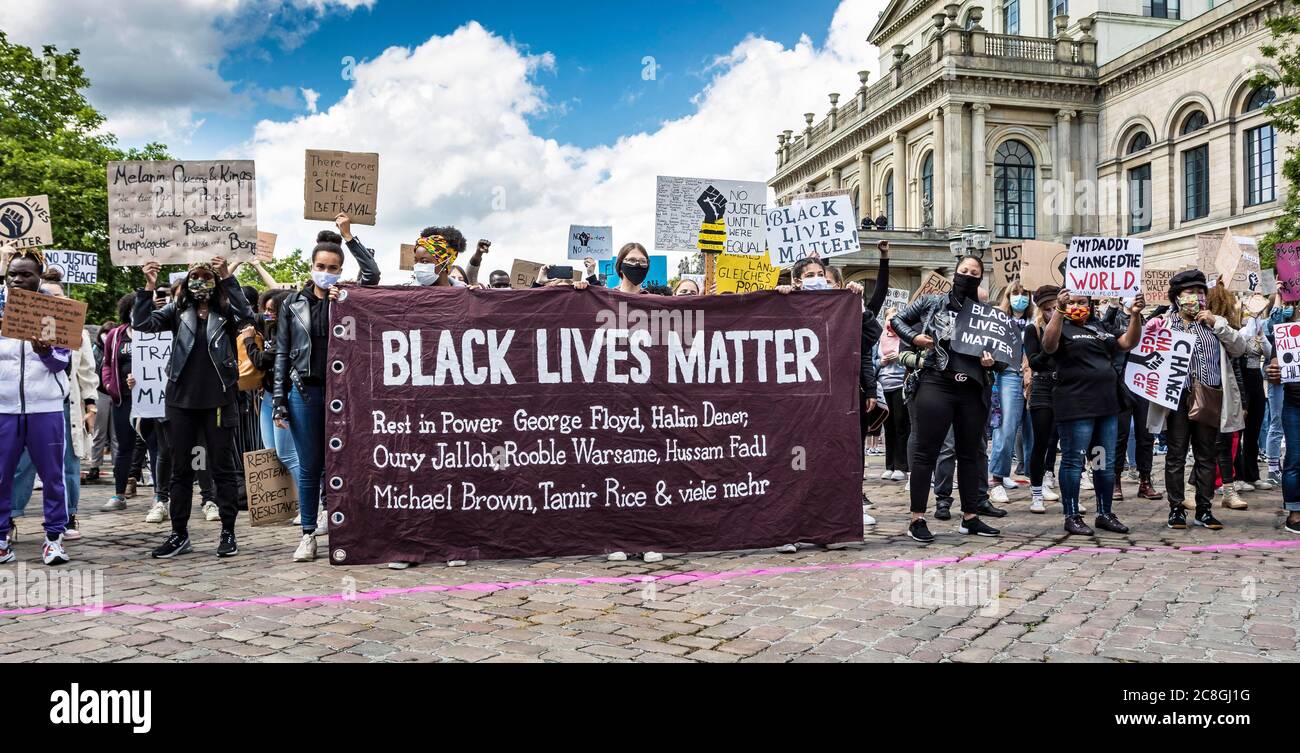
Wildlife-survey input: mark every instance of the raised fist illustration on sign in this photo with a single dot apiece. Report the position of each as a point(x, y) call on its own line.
point(713, 230)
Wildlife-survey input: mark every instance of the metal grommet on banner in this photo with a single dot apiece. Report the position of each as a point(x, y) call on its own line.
point(343, 294)
point(336, 405)
point(337, 367)
point(337, 518)
point(340, 330)
point(336, 483)
point(339, 555)
point(336, 444)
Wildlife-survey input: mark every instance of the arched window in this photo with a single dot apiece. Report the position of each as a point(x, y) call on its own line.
point(889, 197)
point(1139, 142)
point(1194, 122)
point(1013, 191)
point(927, 180)
point(1260, 166)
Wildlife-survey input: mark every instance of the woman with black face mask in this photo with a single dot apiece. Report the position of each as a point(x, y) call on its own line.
point(950, 391)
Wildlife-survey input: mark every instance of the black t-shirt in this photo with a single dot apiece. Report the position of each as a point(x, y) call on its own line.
point(1086, 381)
point(320, 327)
point(1044, 367)
point(199, 386)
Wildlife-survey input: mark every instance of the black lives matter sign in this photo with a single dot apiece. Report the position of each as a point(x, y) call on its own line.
point(981, 328)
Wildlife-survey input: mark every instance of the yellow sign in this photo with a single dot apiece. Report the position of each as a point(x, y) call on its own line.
point(737, 273)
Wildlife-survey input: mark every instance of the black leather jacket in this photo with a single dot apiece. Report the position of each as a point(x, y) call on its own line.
point(183, 324)
point(929, 315)
point(293, 330)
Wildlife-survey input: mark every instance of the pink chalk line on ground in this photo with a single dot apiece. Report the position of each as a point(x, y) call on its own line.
point(674, 578)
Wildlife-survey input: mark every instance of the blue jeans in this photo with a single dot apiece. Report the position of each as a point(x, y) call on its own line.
point(307, 423)
point(1276, 414)
point(1075, 438)
point(1291, 466)
point(275, 438)
point(25, 474)
point(1015, 419)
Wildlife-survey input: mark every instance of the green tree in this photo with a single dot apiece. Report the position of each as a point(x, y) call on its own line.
point(294, 269)
point(1284, 50)
point(53, 143)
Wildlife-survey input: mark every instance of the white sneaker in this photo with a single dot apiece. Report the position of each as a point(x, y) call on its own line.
point(998, 495)
point(1243, 486)
point(157, 513)
point(322, 521)
point(867, 520)
point(52, 552)
point(1085, 482)
point(6, 552)
point(399, 565)
point(652, 557)
point(616, 557)
point(1050, 495)
point(787, 549)
point(1049, 480)
point(1264, 485)
point(456, 563)
point(908, 486)
point(71, 533)
point(297, 520)
point(886, 476)
point(1037, 505)
point(114, 504)
point(900, 476)
point(306, 551)
point(1082, 510)
point(210, 511)
point(1009, 483)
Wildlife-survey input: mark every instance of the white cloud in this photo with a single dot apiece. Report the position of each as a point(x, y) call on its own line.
point(310, 96)
point(153, 64)
point(450, 121)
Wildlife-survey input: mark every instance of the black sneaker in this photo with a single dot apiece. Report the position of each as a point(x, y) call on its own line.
point(175, 544)
point(976, 527)
point(986, 508)
point(227, 547)
point(1206, 519)
point(943, 510)
point(919, 531)
point(1177, 517)
point(1291, 526)
point(1075, 526)
point(867, 504)
point(1110, 523)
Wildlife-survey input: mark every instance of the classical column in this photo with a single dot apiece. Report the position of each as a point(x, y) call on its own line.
point(952, 162)
point(979, 205)
point(1064, 174)
point(864, 185)
point(834, 175)
point(940, 183)
point(1088, 147)
point(900, 180)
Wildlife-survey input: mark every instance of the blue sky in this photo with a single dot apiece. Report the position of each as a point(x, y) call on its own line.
point(596, 90)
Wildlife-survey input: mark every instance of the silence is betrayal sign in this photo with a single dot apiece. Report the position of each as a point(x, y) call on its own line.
point(981, 327)
point(1104, 267)
point(341, 182)
point(471, 425)
point(181, 212)
point(1158, 366)
point(712, 216)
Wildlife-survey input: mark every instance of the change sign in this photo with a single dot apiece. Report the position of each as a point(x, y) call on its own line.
point(813, 227)
point(1158, 367)
point(981, 328)
point(1104, 267)
point(1286, 337)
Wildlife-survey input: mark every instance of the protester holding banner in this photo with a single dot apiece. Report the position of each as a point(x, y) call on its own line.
point(435, 255)
point(302, 342)
point(33, 388)
point(686, 286)
point(1042, 453)
point(263, 356)
point(202, 381)
point(631, 265)
point(950, 391)
point(1011, 392)
point(1086, 402)
point(1209, 405)
point(1280, 311)
point(1291, 425)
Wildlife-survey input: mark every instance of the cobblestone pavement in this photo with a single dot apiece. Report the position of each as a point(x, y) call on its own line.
point(1153, 595)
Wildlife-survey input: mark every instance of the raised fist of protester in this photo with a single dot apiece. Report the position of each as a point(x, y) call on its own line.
point(344, 223)
point(713, 203)
point(1139, 303)
point(986, 360)
point(1274, 372)
point(222, 269)
point(482, 248)
point(883, 248)
point(1062, 300)
point(590, 264)
point(150, 270)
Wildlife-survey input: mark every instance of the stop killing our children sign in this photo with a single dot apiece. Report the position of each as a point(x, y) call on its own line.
point(1104, 267)
point(1287, 339)
point(1158, 366)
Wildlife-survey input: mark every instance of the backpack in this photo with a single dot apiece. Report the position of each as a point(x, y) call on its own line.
point(250, 377)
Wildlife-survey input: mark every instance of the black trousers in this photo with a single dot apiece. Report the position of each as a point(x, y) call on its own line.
point(1256, 401)
point(1136, 413)
point(1181, 434)
point(1042, 456)
point(897, 429)
point(197, 440)
point(942, 404)
point(162, 472)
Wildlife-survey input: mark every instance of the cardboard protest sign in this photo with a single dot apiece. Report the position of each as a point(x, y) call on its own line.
point(744, 274)
point(815, 227)
point(346, 182)
point(1237, 262)
point(272, 492)
point(698, 214)
point(982, 327)
point(1041, 264)
point(1287, 256)
point(1006, 265)
point(1267, 282)
point(453, 421)
point(1155, 285)
point(591, 240)
point(1255, 304)
point(150, 352)
point(35, 316)
point(266, 246)
point(1207, 253)
point(181, 212)
point(1286, 341)
point(407, 261)
point(25, 221)
point(1104, 267)
point(524, 273)
point(1158, 366)
point(895, 298)
point(658, 274)
point(933, 284)
point(78, 267)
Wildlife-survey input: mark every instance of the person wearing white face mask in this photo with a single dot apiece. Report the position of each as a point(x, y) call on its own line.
point(1011, 401)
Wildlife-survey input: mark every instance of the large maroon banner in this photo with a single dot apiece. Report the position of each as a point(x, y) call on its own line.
point(484, 424)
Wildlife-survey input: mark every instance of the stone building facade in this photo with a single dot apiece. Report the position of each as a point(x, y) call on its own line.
point(1125, 121)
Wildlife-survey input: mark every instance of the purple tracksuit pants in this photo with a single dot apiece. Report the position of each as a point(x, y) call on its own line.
point(43, 436)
